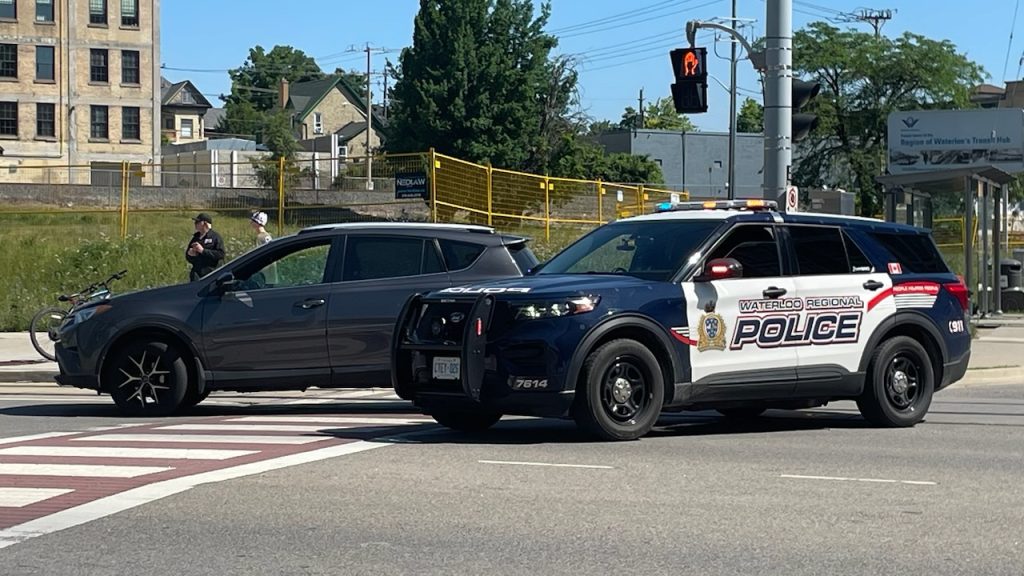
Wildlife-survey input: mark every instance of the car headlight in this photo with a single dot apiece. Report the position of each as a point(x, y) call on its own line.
point(87, 313)
point(554, 308)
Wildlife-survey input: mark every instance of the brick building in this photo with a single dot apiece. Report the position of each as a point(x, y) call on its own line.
point(79, 88)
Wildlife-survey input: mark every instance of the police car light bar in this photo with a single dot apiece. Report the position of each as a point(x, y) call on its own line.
point(751, 205)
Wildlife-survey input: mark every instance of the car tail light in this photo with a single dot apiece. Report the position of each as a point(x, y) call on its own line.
point(959, 291)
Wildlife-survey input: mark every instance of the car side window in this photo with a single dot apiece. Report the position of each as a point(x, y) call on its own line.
point(820, 250)
point(431, 259)
point(755, 247)
point(460, 255)
point(859, 263)
point(376, 257)
point(293, 265)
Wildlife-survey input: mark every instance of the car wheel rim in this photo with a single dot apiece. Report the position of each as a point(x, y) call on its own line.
point(624, 390)
point(143, 380)
point(903, 381)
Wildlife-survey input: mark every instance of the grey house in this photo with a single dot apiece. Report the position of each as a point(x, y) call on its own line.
point(695, 161)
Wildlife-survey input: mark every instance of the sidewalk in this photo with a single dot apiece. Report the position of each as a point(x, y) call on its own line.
point(997, 356)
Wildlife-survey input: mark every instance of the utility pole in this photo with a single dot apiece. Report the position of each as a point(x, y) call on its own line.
point(778, 97)
point(640, 112)
point(731, 174)
point(876, 18)
point(369, 121)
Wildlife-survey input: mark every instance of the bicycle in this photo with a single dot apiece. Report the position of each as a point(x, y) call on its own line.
point(48, 320)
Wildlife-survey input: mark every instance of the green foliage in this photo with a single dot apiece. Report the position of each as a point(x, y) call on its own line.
point(585, 160)
point(278, 137)
point(255, 84)
point(750, 119)
point(478, 83)
point(865, 78)
point(658, 115)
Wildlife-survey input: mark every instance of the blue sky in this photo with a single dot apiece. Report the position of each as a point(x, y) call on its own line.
point(620, 49)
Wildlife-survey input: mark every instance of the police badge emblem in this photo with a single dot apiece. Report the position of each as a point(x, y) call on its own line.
point(711, 330)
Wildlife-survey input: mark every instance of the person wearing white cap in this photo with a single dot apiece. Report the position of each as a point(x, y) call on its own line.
point(259, 221)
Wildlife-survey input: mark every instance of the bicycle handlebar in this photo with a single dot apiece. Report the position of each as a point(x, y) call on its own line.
point(92, 287)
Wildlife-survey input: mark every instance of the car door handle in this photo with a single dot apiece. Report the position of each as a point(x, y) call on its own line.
point(873, 285)
point(774, 292)
point(311, 303)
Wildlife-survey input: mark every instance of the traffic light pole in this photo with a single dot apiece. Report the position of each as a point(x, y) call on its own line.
point(778, 110)
point(732, 109)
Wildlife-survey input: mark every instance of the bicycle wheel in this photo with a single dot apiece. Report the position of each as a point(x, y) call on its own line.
point(44, 331)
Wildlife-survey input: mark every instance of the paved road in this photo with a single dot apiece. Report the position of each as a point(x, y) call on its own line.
point(795, 493)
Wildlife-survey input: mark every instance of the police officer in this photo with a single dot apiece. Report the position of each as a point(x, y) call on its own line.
point(206, 249)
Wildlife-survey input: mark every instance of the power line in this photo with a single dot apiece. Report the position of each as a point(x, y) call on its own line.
point(604, 19)
point(1009, 45)
point(635, 60)
point(626, 23)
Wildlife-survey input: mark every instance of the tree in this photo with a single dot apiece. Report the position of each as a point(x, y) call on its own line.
point(280, 140)
point(255, 85)
point(865, 78)
point(479, 83)
point(658, 115)
point(750, 120)
point(353, 79)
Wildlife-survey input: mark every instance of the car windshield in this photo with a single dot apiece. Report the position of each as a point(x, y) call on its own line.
point(652, 249)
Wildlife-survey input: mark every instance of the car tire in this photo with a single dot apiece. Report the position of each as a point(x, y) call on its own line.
point(742, 412)
point(147, 378)
point(899, 385)
point(465, 421)
point(621, 393)
point(192, 398)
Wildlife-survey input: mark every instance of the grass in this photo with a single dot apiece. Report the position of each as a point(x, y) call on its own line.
point(48, 254)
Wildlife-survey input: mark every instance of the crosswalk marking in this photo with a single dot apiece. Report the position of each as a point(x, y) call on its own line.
point(202, 438)
point(12, 497)
point(351, 420)
point(87, 470)
point(125, 452)
point(248, 427)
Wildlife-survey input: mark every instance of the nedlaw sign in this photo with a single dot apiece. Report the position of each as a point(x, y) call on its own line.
point(930, 140)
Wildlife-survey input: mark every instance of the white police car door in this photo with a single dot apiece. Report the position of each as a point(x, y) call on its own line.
point(731, 347)
point(844, 302)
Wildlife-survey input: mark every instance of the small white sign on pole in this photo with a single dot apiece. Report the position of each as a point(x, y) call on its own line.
point(674, 198)
point(792, 199)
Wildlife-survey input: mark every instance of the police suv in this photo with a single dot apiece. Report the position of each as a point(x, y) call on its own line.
point(730, 306)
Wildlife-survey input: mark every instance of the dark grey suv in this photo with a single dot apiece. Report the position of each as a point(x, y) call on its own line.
point(315, 309)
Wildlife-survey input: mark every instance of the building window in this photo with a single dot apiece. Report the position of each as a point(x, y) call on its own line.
point(129, 67)
point(98, 123)
point(169, 123)
point(8, 10)
point(8, 118)
point(98, 69)
point(8, 60)
point(130, 128)
point(186, 127)
point(98, 12)
point(130, 13)
point(44, 63)
point(46, 126)
point(44, 10)
point(318, 123)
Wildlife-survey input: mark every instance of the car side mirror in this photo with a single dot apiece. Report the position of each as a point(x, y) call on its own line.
point(226, 282)
point(720, 269)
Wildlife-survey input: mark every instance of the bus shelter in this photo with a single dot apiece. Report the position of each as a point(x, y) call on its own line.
point(909, 196)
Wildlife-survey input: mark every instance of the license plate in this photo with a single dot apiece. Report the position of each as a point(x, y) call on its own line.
point(447, 368)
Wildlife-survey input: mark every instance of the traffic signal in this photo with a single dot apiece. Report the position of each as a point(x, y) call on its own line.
point(690, 91)
point(803, 92)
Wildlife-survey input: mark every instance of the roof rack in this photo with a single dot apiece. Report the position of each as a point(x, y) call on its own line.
point(384, 225)
point(740, 205)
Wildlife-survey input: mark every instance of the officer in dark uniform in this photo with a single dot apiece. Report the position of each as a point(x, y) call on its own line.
point(206, 249)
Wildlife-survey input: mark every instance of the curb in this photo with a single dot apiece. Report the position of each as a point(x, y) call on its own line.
point(9, 376)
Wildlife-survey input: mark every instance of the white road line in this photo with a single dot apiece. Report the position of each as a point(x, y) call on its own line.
point(248, 427)
point(876, 480)
point(144, 494)
point(512, 463)
point(202, 438)
point(31, 437)
point(11, 497)
point(92, 471)
point(124, 452)
point(338, 420)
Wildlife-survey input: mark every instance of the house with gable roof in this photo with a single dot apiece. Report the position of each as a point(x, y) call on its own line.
point(329, 116)
point(182, 108)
